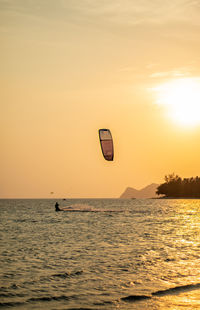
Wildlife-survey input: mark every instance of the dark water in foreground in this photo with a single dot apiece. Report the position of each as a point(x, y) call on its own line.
point(145, 257)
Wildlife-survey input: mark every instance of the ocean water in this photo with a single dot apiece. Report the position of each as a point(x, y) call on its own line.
point(145, 256)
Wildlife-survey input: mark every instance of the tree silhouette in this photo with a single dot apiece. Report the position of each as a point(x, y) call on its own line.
point(175, 187)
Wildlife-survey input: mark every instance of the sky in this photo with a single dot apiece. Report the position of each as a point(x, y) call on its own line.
point(70, 67)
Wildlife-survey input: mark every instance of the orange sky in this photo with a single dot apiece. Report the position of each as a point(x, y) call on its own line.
point(71, 67)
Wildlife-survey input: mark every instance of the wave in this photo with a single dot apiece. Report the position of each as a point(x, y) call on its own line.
point(170, 291)
point(130, 298)
point(37, 299)
point(49, 298)
point(103, 303)
point(86, 208)
point(81, 308)
point(89, 210)
point(177, 289)
point(6, 295)
point(67, 274)
point(11, 304)
point(133, 298)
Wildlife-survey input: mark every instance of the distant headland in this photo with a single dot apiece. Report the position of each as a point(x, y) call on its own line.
point(144, 193)
point(176, 187)
point(173, 187)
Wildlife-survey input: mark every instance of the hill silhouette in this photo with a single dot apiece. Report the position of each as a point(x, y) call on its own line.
point(147, 192)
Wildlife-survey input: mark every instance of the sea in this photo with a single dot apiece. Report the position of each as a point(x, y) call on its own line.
point(109, 254)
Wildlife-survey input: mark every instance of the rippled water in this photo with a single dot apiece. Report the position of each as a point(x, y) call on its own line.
point(99, 260)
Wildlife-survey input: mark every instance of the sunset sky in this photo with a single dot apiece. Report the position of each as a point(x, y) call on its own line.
point(70, 67)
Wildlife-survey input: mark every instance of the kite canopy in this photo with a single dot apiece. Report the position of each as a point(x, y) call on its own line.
point(106, 142)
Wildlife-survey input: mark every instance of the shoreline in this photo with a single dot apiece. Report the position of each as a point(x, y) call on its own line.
point(177, 197)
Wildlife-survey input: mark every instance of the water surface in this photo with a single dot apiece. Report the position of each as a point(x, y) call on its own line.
point(145, 256)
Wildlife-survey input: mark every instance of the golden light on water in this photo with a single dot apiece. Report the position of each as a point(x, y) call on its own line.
point(181, 97)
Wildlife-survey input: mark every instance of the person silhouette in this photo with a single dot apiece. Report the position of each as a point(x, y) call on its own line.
point(57, 207)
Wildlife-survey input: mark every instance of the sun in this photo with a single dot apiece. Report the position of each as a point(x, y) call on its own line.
point(181, 97)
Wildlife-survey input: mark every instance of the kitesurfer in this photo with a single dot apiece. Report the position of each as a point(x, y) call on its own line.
point(57, 207)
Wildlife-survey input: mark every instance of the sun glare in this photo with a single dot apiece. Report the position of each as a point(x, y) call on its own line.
point(181, 97)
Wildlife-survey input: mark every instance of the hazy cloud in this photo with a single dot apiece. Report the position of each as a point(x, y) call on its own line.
point(168, 74)
point(136, 12)
point(123, 12)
